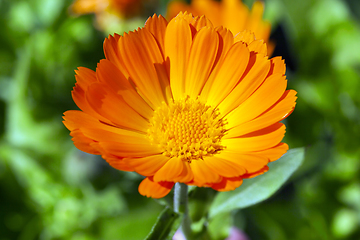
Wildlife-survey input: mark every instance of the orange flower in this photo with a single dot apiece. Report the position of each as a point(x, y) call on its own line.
point(183, 102)
point(122, 8)
point(232, 14)
point(109, 13)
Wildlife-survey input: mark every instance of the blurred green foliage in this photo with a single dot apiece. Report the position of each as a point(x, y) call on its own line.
point(50, 190)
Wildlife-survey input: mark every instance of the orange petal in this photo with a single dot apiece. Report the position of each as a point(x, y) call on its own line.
point(111, 51)
point(258, 46)
point(227, 184)
point(202, 56)
point(248, 37)
point(253, 76)
point(186, 175)
point(153, 189)
point(117, 163)
point(84, 78)
point(147, 166)
point(114, 108)
point(257, 173)
point(83, 143)
point(107, 73)
point(256, 141)
point(151, 46)
point(170, 171)
point(187, 17)
point(276, 113)
point(157, 26)
point(74, 119)
point(139, 65)
point(162, 73)
point(251, 163)
point(110, 75)
point(175, 170)
point(277, 66)
point(174, 7)
point(127, 150)
point(263, 98)
point(200, 22)
point(178, 40)
point(226, 41)
point(227, 74)
point(101, 135)
point(125, 143)
point(275, 152)
point(223, 167)
point(286, 102)
point(245, 36)
point(157, 57)
point(203, 174)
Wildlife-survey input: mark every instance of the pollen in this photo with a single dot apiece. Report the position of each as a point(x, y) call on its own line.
point(187, 129)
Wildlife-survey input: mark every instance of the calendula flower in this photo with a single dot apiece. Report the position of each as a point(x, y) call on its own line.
point(122, 8)
point(183, 102)
point(232, 14)
point(109, 13)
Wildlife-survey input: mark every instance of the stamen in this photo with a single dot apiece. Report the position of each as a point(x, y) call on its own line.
point(187, 129)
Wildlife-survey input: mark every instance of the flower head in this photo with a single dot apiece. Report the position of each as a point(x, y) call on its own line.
point(122, 8)
point(109, 13)
point(232, 14)
point(183, 102)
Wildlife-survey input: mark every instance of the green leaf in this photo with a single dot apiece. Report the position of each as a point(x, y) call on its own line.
point(219, 226)
point(163, 225)
point(257, 189)
point(200, 200)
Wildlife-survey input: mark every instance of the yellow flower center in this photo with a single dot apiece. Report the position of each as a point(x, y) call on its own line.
point(187, 129)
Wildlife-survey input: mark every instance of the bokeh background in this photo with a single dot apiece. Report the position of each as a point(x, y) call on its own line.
point(51, 190)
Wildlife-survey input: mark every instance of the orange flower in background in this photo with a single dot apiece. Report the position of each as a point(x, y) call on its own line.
point(183, 102)
point(232, 14)
point(110, 13)
point(122, 8)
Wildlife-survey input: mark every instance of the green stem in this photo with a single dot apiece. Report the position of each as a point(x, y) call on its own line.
point(181, 207)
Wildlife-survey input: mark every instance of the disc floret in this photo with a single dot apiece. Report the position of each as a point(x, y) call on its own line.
point(187, 129)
